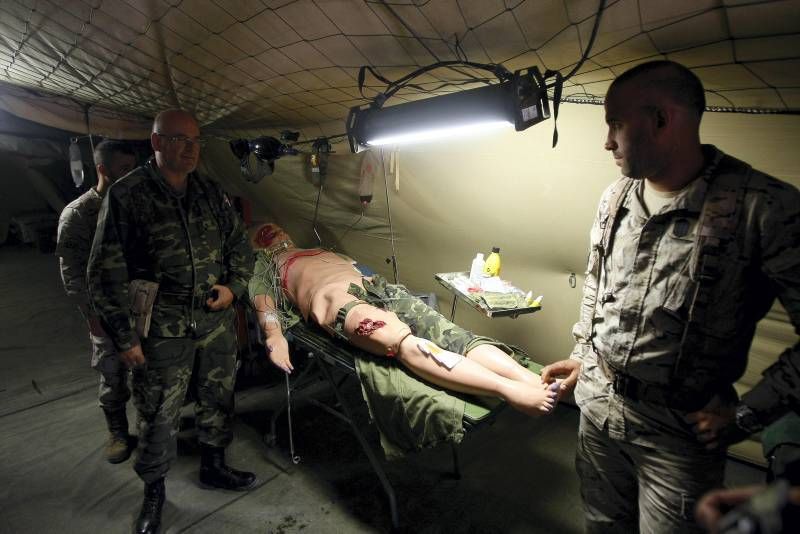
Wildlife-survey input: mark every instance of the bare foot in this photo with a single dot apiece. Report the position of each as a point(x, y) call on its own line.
point(531, 399)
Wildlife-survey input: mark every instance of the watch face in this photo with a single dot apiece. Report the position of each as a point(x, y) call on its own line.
point(746, 419)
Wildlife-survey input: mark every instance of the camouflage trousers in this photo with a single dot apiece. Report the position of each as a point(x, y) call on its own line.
point(424, 321)
point(160, 386)
point(114, 391)
point(628, 488)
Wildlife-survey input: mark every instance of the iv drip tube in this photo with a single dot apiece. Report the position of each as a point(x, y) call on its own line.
point(391, 227)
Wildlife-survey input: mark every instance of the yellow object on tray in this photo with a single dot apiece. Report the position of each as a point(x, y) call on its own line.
point(492, 265)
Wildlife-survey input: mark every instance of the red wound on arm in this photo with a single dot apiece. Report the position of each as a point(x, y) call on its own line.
point(367, 326)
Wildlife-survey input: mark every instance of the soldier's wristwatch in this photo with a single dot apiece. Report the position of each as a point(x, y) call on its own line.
point(747, 420)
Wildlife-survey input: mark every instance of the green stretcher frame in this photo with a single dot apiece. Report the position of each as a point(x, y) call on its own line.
point(329, 357)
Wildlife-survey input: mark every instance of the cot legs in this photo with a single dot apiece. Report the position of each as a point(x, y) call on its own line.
point(320, 362)
point(456, 464)
point(373, 459)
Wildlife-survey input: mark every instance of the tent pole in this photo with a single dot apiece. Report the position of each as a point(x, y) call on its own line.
point(391, 227)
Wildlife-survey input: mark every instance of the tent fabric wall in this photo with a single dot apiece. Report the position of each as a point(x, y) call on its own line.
point(69, 115)
point(35, 177)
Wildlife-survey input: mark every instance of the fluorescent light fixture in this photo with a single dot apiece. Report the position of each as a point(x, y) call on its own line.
point(521, 101)
point(440, 133)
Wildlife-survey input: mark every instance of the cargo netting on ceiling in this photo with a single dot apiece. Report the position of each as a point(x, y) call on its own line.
point(247, 65)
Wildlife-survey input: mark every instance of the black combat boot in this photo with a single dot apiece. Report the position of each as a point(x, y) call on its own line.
point(119, 445)
point(214, 472)
point(150, 516)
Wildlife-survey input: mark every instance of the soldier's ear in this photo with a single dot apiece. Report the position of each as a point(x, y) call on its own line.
point(155, 141)
point(101, 170)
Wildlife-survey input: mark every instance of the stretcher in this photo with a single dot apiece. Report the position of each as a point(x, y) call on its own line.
point(333, 362)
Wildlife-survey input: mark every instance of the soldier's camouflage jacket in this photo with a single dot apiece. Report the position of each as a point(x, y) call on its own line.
point(76, 228)
point(186, 243)
point(644, 289)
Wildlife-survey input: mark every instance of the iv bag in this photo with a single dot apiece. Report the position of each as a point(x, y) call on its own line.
point(371, 166)
point(76, 163)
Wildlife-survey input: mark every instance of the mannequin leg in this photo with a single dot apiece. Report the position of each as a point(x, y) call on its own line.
point(526, 394)
point(501, 363)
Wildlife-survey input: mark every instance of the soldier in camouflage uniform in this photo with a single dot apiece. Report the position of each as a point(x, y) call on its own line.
point(166, 224)
point(76, 228)
point(688, 252)
point(382, 319)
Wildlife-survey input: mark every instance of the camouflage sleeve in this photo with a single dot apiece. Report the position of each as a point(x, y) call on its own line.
point(107, 272)
point(238, 256)
point(582, 330)
point(779, 390)
point(259, 282)
point(72, 247)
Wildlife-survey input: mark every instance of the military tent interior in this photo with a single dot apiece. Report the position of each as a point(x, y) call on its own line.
point(89, 69)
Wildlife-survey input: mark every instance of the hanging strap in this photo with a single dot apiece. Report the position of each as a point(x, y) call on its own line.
point(716, 230)
point(608, 219)
point(558, 85)
point(609, 211)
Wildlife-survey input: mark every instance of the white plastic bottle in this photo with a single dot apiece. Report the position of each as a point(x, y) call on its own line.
point(476, 271)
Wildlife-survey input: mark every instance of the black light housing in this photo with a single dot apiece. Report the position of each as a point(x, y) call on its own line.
point(265, 149)
point(520, 100)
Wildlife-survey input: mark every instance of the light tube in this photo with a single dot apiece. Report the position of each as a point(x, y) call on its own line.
point(434, 134)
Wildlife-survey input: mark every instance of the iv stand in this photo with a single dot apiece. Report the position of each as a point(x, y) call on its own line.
point(393, 259)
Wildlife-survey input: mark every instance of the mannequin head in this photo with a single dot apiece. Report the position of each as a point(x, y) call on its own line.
point(270, 236)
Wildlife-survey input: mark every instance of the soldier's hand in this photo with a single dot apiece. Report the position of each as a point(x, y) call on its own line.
point(715, 504)
point(223, 300)
point(133, 356)
point(278, 350)
point(715, 424)
point(570, 369)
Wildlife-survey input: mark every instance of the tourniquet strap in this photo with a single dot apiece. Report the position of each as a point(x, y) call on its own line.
point(341, 315)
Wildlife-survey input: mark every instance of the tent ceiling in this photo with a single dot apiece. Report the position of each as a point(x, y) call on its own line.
point(249, 65)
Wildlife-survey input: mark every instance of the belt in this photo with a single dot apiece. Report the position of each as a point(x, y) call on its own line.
point(669, 396)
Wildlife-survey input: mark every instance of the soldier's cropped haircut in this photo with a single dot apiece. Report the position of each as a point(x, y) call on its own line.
point(105, 150)
point(167, 115)
point(673, 79)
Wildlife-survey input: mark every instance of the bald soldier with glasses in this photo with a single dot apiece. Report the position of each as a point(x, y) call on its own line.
point(174, 233)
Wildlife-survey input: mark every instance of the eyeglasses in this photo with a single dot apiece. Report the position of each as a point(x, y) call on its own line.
point(183, 140)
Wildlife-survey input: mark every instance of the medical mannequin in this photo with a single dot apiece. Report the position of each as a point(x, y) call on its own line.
point(381, 319)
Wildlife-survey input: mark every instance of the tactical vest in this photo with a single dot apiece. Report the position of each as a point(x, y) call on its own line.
point(716, 230)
